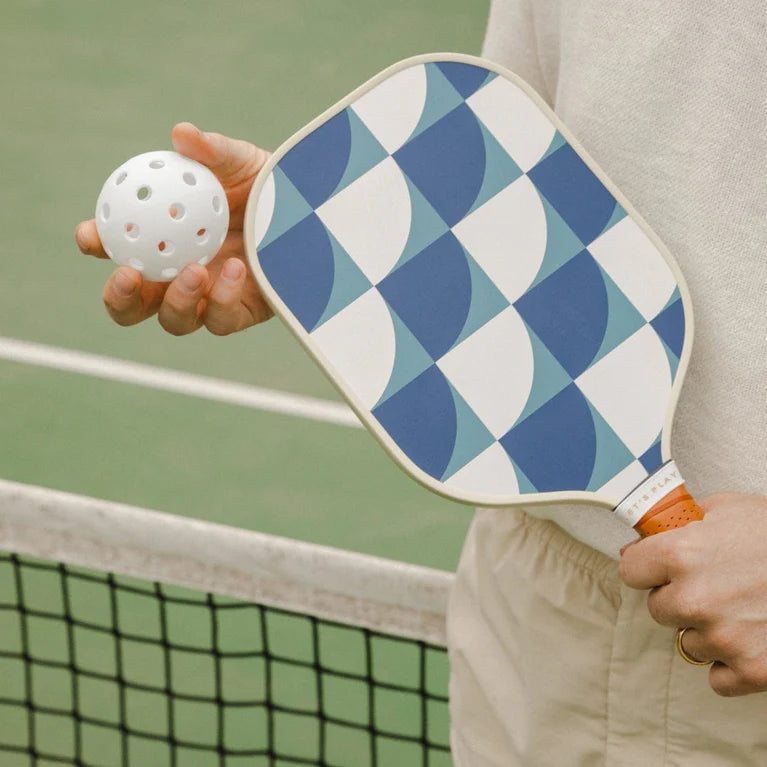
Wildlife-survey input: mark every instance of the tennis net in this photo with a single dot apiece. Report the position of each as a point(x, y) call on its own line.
point(132, 637)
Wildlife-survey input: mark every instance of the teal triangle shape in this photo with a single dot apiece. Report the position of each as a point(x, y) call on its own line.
point(486, 301)
point(500, 169)
point(556, 143)
point(441, 98)
point(526, 487)
point(549, 377)
point(490, 77)
point(612, 455)
point(673, 360)
point(349, 283)
point(471, 436)
point(365, 151)
point(410, 359)
point(562, 243)
point(623, 318)
point(426, 225)
point(675, 296)
point(289, 207)
point(618, 214)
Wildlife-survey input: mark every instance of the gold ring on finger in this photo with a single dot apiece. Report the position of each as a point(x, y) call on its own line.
point(685, 656)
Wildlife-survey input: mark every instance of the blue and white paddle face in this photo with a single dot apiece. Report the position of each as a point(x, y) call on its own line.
point(495, 316)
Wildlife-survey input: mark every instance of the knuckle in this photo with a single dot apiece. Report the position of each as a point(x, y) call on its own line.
point(724, 689)
point(178, 316)
point(220, 316)
point(723, 641)
point(218, 329)
point(679, 553)
point(632, 564)
point(176, 304)
point(755, 675)
point(657, 605)
point(121, 318)
point(677, 607)
point(220, 323)
point(723, 681)
point(171, 325)
point(744, 678)
point(693, 603)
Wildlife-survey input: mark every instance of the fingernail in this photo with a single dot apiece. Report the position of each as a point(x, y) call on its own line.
point(124, 285)
point(190, 280)
point(232, 270)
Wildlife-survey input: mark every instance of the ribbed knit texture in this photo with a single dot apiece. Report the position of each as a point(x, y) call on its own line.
point(670, 98)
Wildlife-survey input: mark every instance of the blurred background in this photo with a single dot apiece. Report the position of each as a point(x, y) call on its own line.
point(86, 85)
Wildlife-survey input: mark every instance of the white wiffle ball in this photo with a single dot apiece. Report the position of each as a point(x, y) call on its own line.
point(160, 211)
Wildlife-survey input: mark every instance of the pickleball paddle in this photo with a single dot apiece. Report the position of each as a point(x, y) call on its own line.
point(490, 305)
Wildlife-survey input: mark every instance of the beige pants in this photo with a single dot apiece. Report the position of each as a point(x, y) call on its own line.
point(556, 663)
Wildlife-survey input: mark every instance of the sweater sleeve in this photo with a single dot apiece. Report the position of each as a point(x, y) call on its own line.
point(512, 40)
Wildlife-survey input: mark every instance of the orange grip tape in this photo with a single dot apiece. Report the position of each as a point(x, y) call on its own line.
point(674, 510)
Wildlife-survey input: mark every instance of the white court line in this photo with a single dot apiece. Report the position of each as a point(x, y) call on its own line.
point(177, 381)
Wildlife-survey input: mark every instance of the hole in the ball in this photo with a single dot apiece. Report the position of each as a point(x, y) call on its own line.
point(202, 236)
point(169, 273)
point(216, 204)
point(190, 178)
point(165, 247)
point(136, 264)
point(156, 164)
point(131, 231)
point(120, 178)
point(177, 211)
point(201, 232)
point(105, 211)
point(144, 193)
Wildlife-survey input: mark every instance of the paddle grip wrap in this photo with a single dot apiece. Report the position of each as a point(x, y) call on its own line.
point(659, 503)
point(675, 510)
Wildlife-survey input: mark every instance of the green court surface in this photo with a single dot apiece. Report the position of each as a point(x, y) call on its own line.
point(84, 85)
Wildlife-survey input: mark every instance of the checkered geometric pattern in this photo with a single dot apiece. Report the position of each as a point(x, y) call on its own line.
point(476, 286)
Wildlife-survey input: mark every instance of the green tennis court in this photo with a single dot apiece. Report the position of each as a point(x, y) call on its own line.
point(84, 86)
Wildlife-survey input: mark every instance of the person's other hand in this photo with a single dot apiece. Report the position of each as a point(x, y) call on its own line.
point(711, 577)
point(224, 297)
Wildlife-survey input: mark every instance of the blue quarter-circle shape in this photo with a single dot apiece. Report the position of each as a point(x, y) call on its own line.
point(317, 163)
point(421, 419)
point(300, 268)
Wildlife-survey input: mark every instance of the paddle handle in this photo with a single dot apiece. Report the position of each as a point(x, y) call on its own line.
point(659, 503)
point(674, 510)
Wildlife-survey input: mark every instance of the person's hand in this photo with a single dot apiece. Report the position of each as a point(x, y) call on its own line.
point(711, 576)
point(224, 296)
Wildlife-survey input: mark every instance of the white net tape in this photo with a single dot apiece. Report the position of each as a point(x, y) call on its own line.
point(361, 590)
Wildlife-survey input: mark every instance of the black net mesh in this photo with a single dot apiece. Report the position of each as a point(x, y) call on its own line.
point(107, 671)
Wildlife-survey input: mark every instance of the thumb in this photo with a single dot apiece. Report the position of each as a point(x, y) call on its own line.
point(232, 160)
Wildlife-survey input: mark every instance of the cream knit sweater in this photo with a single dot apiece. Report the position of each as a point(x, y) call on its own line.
point(670, 98)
